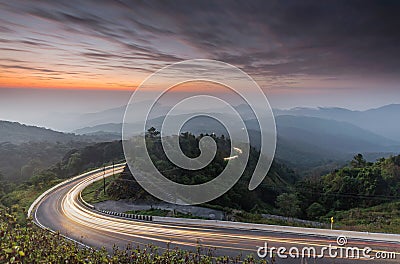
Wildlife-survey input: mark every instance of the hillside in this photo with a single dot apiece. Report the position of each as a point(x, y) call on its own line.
point(348, 192)
point(25, 150)
point(16, 133)
point(19, 162)
point(78, 159)
point(278, 178)
point(91, 156)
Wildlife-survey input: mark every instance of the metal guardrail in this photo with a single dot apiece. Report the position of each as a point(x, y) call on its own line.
point(128, 216)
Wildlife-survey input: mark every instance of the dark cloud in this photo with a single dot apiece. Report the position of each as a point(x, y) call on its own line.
point(4, 29)
point(331, 37)
point(265, 38)
point(27, 68)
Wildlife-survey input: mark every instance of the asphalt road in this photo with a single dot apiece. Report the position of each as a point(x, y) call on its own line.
point(61, 210)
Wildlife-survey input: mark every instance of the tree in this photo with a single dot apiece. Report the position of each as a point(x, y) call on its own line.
point(288, 204)
point(358, 161)
point(152, 132)
point(315, 210)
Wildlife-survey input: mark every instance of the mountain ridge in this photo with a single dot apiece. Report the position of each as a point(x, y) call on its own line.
point(380, 120)
point(17, 133)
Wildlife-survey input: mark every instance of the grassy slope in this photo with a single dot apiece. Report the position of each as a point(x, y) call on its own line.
point(94, 193)
point(381, 218)
point(21, 198)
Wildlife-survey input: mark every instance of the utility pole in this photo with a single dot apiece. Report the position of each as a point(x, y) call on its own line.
point(104, 179)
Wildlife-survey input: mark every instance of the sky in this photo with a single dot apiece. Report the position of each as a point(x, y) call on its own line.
point(84, 56)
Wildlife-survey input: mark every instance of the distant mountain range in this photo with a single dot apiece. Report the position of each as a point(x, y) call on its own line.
point(306, 136)
point(310, 141)
point(74, 122)
point(301, 139)
point(331, 134)
point(326, 133)
point(382, 121)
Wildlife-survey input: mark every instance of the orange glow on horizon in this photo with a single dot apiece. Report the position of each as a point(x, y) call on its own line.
point(68, 84)
point(66, 87)
point(28, 82)
point(199, 86)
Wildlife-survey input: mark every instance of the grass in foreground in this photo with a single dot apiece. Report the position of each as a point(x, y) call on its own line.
point(23, 196)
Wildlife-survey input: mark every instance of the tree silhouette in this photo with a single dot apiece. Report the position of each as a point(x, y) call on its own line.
point(152, 132)
point(358, 161)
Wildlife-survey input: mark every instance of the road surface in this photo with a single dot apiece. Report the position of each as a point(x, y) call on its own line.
point(62, 210)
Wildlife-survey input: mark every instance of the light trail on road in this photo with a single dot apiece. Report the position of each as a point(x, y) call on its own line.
point(62, 210)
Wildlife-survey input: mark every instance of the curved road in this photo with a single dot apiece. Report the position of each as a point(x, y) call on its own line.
point(61, 209)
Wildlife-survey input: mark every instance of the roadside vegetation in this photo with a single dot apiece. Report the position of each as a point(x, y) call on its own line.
point(94, 193)
point(381, 218)
point(361, 196)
